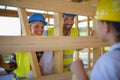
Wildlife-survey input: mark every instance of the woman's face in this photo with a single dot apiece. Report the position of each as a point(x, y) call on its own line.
point(37, 28)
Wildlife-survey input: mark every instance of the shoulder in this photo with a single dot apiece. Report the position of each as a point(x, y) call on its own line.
point(50, 29)
point(74, 29)
point(74, 32)
point(106, 65)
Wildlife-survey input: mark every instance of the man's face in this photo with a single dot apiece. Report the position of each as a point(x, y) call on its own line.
point(68, 22)
point(37, 28)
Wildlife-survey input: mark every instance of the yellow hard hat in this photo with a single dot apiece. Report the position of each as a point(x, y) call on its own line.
point(108, 10)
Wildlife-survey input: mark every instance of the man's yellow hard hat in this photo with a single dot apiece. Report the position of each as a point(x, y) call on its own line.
point(108, 10)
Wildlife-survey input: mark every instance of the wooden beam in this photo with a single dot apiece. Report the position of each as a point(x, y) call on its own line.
point(26, 32)
point(96, 54)
point(34, 64)
point(60, 76)
point(63, 6)
point(58, 31)
point(24, 21)
point(8, 13)
point(36, 43)
point(13, 13)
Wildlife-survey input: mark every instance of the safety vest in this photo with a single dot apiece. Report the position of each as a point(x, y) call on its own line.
point(67, 54)
point(23, 64)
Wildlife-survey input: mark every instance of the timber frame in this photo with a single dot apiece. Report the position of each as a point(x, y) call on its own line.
point(34, 43)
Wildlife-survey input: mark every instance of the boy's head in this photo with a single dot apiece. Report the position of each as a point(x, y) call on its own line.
point(108, 16)
point(108, 10)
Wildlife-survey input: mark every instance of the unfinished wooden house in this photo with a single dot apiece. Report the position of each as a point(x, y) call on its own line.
point(20, 10)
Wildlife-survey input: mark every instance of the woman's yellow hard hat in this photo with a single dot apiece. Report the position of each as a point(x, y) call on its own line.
point(108, 10)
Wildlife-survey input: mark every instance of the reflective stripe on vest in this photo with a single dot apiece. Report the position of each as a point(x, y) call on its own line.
point(68, 54)
point(23, 64)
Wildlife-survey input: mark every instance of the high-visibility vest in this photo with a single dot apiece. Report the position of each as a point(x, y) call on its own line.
point(23, 64)
point(67, 54)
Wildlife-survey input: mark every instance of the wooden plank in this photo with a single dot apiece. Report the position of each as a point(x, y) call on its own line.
point(92, 2)
point(60, 76)
point(34, 64)
point(13, 13)
point(24, 22)
point(8, 13)
point(97, 50)
point(58, 31)
point(58, 61)
point(89, 30)
point(102, 50)
point(89, 58)
point(36, 43)
point(26, 31)
point(63, 6)
point(96, 54)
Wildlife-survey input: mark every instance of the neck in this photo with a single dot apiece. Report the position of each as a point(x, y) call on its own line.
point(111, 38)
point(66, 32)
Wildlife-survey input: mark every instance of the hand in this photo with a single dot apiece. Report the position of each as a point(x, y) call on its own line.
point(77, 66)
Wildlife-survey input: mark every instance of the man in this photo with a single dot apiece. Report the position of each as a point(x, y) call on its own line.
point(108, 66)
point(68, 30)
point(68, 21)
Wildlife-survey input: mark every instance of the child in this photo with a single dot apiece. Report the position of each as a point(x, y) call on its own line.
point(108, 66)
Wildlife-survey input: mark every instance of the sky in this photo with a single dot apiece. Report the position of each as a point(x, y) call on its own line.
point(9, 26)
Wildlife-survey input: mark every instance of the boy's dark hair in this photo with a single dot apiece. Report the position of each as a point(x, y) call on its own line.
point(116, 26)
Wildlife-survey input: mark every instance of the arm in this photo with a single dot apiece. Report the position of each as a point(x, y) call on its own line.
point(77, 68)
point(12, 64)
point(1, 61)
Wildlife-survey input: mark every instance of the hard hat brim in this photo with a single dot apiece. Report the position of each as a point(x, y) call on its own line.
point(45, 23)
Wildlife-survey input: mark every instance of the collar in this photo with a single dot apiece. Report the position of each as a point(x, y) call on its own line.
point(113, 47)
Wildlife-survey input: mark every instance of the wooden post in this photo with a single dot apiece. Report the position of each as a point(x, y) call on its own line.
point(89, 30)
point(58, 56)
point(26, 31)
point(97, 50)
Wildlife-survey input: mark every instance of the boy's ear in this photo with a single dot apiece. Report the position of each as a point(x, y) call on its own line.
point(106, 26)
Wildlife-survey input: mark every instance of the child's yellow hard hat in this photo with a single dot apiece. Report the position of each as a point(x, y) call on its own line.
point(108, 10)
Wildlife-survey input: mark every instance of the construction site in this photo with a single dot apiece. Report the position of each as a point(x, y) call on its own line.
point(14, 16)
